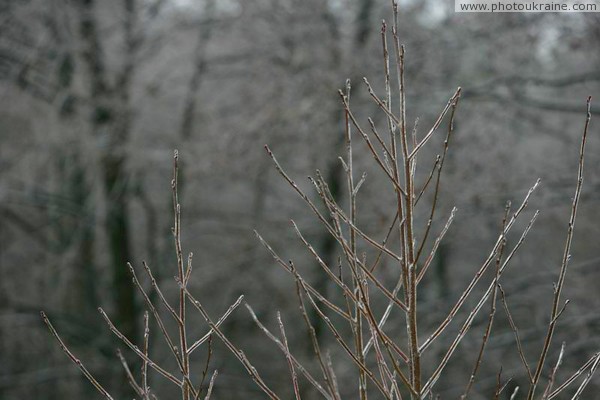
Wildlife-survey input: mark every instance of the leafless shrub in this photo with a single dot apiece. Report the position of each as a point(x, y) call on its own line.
point(181, 347)
point(386, 367)
point(394, 369)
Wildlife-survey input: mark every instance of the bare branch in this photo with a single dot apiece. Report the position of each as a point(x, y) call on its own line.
point(573, 377)
point(75, 360)
point(288, 357)
point(236, 351)
point(565, 261)
point(513, 327)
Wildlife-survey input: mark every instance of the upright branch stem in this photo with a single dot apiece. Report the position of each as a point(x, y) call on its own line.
point(182, 278)
point(357, 318)
point(145, 388)
point(409, 239)
point(565, 260)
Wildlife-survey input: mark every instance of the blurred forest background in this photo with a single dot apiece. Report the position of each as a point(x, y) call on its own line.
point(95, 95)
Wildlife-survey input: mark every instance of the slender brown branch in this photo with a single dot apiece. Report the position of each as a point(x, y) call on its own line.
point(130, 378)
point(158, 291)
point(440, 165)
point(145, 387)
point(281, 346)
point(288, 357)
point(341, 341)
point(381, 163)
point(205, 371)
point(451, 103)
point(488, 328)
point(500, 386)
point(587, 379)
point(311, 289)
point(478, 275)
point(185, 357)
point(137, 351)
point(515, 330)
point(436, 244)
point(334, 208)
point(552, 379)
point(365, 269)
point(573, 377)
point(219, 322)
point(172, 347)
point(384, 146)
point(467, 324)
point(565, 260)
point(211, 385)
point(75, 360)
point(429, 178)
point(239, 354)
point(327, 375)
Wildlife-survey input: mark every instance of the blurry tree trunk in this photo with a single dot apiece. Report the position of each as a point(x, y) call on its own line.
point(200, 61)
point(110, 124)
point(86, 299)
point(76, 187)
point(186, 128)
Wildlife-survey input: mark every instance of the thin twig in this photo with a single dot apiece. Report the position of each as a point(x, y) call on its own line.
point(341, 341)
point(75, 360)
point(288, 357)
point(488, 328)
point(206, 365)
point(565, 260)
point(137, 351)
point(185, 356)
point(172, 347)
point(573, 377)
point(220, 321)
point(587, 379)
point(281, 346)
point(130, 378)
point(451, 103)
point(145, 387)
point(552, 379)
point(515, 330)
point(467, 324)
point(478, 275)
point(211, 385)
point(440, 161)
point(239, 354)
point(436, 244)
point(311, 289)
